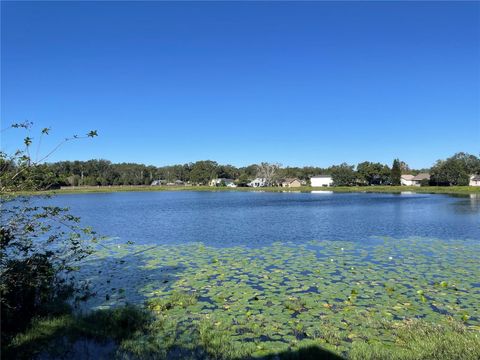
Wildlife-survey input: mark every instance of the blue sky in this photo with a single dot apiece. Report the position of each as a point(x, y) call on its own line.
point(310, 83)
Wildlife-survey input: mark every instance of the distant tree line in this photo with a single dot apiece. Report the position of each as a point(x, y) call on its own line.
point(452, 171)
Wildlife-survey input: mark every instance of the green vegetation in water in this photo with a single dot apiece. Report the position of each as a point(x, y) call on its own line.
point(401, 299)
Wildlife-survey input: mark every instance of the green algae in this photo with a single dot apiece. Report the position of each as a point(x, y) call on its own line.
point(238, 301)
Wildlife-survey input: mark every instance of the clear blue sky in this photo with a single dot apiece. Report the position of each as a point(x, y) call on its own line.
point(311, 83)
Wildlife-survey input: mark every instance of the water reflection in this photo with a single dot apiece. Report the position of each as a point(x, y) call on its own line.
point(467, 204)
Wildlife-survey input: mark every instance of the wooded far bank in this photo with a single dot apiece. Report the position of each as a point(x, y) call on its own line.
point(454, 171)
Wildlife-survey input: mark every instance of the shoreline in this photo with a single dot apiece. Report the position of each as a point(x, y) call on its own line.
point(448, 190)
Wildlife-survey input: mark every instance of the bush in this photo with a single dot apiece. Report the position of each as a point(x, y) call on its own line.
point(425, 182)
point(40, 246)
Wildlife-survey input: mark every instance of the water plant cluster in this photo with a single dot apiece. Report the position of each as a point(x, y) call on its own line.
point(341, 296)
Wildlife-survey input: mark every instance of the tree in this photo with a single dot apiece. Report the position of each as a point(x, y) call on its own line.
point(268, 171)
point(228, 172)
point(373, 173)
point(396, 172)
point(249, 171)
point(455, 170)
point(404, 167)
point(203, 171)
point(40, 246)
point(243, 180)
point(343, 175)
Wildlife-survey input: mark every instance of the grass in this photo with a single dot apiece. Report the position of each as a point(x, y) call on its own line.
point(340, 189)
point(418, 339)
point(131, 332)
point(55, 335)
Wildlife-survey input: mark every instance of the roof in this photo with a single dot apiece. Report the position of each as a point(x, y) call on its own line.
point(421, 176)
point(321, 176)
point(475, 178)
point(408, 177)
point(290, 180)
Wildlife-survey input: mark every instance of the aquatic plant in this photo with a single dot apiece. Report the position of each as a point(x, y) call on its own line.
point(279, 299)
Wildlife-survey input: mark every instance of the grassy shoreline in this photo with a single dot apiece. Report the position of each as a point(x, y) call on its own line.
point(341, 189)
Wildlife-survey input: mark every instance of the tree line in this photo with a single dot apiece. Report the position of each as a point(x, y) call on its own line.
point(455, 170)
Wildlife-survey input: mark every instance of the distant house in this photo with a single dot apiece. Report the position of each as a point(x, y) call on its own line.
point(417, 179)
point(176, 183)
point(474, 180)
point(222, 181)
point(321, 181)
point(407, 180)
point(258, 182)
point(291, 182)
point(158, 182)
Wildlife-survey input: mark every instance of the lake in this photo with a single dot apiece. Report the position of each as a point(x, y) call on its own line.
point(267, 272)
point(261, 218)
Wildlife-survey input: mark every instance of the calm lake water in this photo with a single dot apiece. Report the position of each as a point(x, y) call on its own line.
point(260, 218)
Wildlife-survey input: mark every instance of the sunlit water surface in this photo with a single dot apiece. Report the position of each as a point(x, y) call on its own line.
point(260, 218)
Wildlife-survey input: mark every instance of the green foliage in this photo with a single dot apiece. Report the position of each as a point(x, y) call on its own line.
point(425, 182)
point(396, 172)
point(417, 339)
point(203, 171)
point(327, 298)
point(29, 288)
point(180, 299)
point(104, 173)
point(343, 175)
point(373, 173)
point(455, 170)
point(227, 172)
point(56, 334)
point(39, 245)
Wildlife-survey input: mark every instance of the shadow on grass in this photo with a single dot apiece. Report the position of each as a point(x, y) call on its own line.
point(307, 353)
point(114, 283)
point(133, 332)
point(94, 336)
point(124, 332)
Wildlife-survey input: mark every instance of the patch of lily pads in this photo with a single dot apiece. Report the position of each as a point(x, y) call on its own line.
point(262, 301)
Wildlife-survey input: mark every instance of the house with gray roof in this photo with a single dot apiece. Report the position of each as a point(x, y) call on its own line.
point(406, 180)
point(474, 180)
point(417, 179)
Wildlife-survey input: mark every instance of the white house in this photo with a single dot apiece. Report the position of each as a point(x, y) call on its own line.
point(258, 182)
point(158, 182)
point(474, 180)
point(321, 181)
point(417, 179)
point(221, 181)
point(406, 180)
